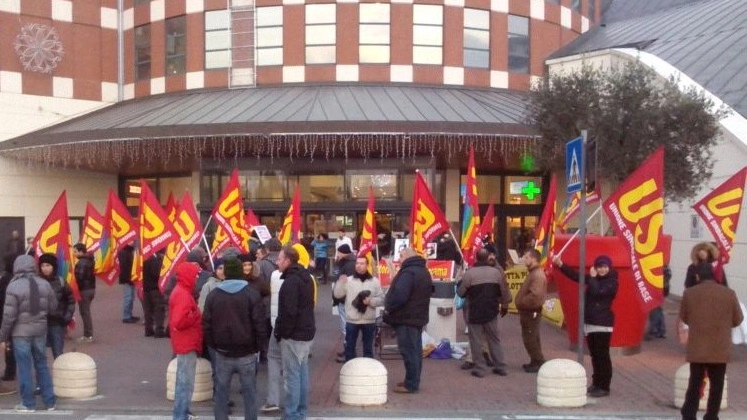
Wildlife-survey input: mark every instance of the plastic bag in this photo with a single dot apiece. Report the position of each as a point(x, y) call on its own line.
point(442, 350)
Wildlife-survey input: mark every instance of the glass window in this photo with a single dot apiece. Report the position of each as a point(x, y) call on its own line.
point(321, 33)
point(374, 33)
point(518, 44)
point(322, 188)
point(270, 36)
point(476, 38)
point(176, 45)
point(383, 181)
point(576, 5)
point(141, 2)
point(217, 39)
point(142, 52)
point(264, 185)
point(427, 34)
point(488, 188)
point(522, 190)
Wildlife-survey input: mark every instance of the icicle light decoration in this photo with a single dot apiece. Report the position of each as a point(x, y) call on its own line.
point(151, 153)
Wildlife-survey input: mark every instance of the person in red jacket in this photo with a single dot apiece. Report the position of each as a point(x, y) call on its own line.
point(185, 326)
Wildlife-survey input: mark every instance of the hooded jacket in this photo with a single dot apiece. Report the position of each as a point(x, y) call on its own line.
point(185, 321)
point(84, 273)
point(408, 300)
point(28, 300)
point(295, 319)
point(234, 321)
point(712, 253)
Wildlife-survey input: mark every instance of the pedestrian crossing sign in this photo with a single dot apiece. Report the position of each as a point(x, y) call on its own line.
point(573, 165)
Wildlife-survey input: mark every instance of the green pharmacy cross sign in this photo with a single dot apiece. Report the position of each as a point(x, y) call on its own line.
point(530, 190)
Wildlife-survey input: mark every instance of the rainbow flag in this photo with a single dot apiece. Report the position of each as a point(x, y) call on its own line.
point(470, 213)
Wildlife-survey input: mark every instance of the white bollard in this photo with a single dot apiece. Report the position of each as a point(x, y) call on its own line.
point(203, 381)
point(363, 381)
point(561, 383)
point(681, 379)
point(74, 376)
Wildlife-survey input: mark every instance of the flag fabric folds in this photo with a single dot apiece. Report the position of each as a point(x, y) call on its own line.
point(427, 220)
point(96, 236)
point(229, 213)
point(470, 213)
point(636, 211)
point(54, 237)
point(122, 229)
point(290, 233)
point(545, 239)
point(251, 220)
point(368, 233)
point(156, 231)
point(573, 204)
point(720, 210)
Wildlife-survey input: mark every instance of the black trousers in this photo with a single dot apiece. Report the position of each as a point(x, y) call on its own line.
point(716, 373)
point(599, 349)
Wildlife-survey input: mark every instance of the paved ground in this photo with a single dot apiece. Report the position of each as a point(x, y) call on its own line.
point(132, 377)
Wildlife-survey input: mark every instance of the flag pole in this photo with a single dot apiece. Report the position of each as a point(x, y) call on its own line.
point(204, 240)
point(575, 234)
point(458, 246)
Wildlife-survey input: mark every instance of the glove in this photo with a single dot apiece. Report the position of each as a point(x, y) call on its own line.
point(504, 310)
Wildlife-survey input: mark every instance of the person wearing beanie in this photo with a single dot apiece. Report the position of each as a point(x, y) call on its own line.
point(218, 276)
point(601, 288)
point(235, 330)
point(57, 319)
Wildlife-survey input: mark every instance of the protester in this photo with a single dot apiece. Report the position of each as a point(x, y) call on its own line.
point(345, 261)
point(58, 319)
point(86, 281)
point(154, 303)
point(14, 245)
point(705, 252)
point(294, 329)
point(126, 257)
point(234, 328)
point(321, 244)
point(710, 311)
point(218, 276)
point(657, 328)
point(262, 286)
point(406, 308)
point(601, 288)
point(29, 299)
point(343, 239)
point(487, 292)
point(529, 300)
point(185, 325)
point(362, 293)
point(274, 358)
point(267, 258)
point(10, 360)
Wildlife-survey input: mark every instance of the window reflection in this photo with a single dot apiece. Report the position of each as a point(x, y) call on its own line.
point(176, 45)
point(321, 33)
point(476, 38)
point(374, 33)
point(427, 34)
point(217, 39)
point(142, 52)
point(269, 36)
point(518, 44)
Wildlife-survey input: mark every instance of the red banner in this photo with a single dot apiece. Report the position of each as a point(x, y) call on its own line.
point(220, 241)
point(122, 224)
point(546, 229)
point(427, 220)
point(369, 239)
point(156, 231)
point(720, 210)
point(251, 220)
point(54, 238)
point(636, 211)
point(187, 222)
point(441, 270)
point(229, 213)
point(290, 233)
point(471, 214)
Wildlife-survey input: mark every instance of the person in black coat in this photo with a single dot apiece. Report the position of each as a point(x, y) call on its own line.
point(601, 288)
point(154, 302)
point(58, 319)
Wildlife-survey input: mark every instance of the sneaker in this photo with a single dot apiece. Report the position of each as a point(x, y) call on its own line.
point(52, 408)
point(85, 339)
point(268, 408)
point(598, 393)
point(20, 408)
point(131, 320)
point(4, 390)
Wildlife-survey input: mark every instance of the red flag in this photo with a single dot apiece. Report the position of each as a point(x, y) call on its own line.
point(369, 239)
point(545, 239)
point(220, 241)
point(486, 229)
point(170, 207)
point(97, 238)
point(156, 231)
point(471, 213)
point(427, 220)
point(229, 213)
point(290, 233)
point(251, 220)
point(187, 222)
point(122, 224)
point(636, 211)
point(574, 204)
point(720, 210)
point(54, 238)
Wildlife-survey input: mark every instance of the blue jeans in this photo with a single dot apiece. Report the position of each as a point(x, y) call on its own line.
point(343, 320)
point(351, 339)
point(127, 298)
point(56, 339)
point(656, 325)
point(186, 365)
point(246, 368)
point(410, 346)
point(31, 351)
point(274, 372)
point(295, 356)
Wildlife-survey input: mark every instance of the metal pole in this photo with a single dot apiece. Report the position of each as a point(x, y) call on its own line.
point(582, 253)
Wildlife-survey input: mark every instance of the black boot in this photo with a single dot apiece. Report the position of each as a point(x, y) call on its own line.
point(149, 332)
point(160, 333)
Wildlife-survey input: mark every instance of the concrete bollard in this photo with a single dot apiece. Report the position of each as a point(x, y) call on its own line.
point(363, 381)
point(203, 381)
point(74, 376)
point(681, 379)
point(561, 383)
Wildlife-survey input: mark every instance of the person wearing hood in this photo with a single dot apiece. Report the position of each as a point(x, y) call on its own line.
point(10, 362)
point(601, 289)
point(86, 280)
point(58, 319)
point(234, 327)
point(705, 252)
point(295, 328)
point(29, 299)
point(406, 308)
point(185, 330)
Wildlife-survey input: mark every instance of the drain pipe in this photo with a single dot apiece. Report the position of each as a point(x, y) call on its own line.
point(120, 50)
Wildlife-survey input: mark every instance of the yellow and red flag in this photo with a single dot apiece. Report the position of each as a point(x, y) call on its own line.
point(251, 220)
point(290, 233)
point(720, 210)
point(636, 211)
point(121, 231)
point(573, 204)
point(156, 231)
point(187, 225)
point(471, 213)
point(54, 238)
point(97, 238)
point(545, 239)
point(427, 221)
point(229, 213)
point(220, 241)
point(369, 239)
point(488, 222)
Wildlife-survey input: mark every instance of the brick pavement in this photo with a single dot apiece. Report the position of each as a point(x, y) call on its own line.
point(131, 375)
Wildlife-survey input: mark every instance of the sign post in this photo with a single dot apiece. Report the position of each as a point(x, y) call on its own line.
point(575, 169)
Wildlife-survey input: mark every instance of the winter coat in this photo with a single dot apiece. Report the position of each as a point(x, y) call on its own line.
point(65, 310)
point(295, 319)
point(345, 267)
point(531, 295)
point(234, 322)
point(713, 258)
point(408, 300)
point(185, 320)
point(350, 290)
point(710, 310)
point(152, 272)
point(126, 257)
point(486, 290)
point(600, 292)
point(28, 300)
point(84, 273)
point(276, 282)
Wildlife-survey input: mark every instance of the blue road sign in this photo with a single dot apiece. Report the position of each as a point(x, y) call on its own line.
point(573, 164)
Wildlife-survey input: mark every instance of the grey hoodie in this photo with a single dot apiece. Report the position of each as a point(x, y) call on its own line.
point(28, 300)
